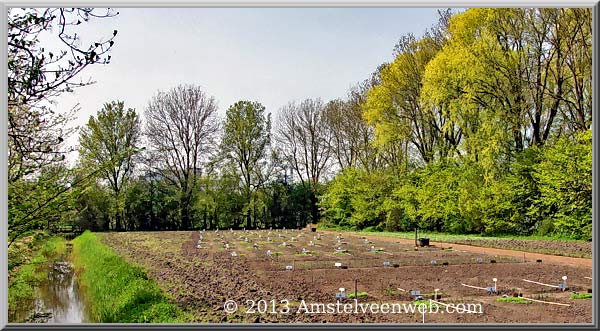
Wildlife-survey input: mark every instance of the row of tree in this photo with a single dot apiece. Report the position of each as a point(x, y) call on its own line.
point(486, 122)
point(481, 125)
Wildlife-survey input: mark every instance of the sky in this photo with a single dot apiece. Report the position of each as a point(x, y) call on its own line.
point(269, 55)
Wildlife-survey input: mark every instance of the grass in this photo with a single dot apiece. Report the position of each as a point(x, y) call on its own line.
point(518, 300)
point(26, 269)
point(581, 295)
point(358, 295)
point(119, 292)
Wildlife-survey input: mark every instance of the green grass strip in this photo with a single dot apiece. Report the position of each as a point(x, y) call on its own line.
point(117, 291)
point(518, 300)
point(581, 295)
point(358, 295)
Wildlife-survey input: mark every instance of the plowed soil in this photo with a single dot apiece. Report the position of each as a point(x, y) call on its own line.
point(200, 280)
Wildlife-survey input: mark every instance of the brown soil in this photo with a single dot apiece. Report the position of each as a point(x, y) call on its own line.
point(528, 256)
point(201, 280)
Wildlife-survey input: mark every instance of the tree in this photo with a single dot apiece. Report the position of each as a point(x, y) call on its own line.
point(181, 127)
point(35, 76)
point(304, 141)
point(351, 135)
point(112, 140)
point(36, 73)
point(246, 144)
point(395, 109)
point(565, 177)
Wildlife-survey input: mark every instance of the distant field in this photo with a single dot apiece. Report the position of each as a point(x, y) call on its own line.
point(536, 244)
point(201, 270)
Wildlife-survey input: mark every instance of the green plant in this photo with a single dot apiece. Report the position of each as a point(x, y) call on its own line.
point(357, 295)
point(576, 295)
point(518, 300)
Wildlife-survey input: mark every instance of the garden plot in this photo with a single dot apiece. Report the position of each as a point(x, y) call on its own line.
point(202, 269)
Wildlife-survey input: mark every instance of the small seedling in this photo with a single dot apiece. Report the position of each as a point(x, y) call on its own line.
point(479, 260)
point(234, 254)
point(433, 262)
point(576, 295)
point(357, 295)
point(518, 300)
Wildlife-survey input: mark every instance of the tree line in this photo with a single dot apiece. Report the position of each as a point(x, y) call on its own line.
point(480, 125)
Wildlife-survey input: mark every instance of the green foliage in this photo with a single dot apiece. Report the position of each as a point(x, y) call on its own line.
point(565, 178)
point(119, 292)
point(544, 190)
point(27, 268)
point(110, 142)
point(357, 295)
point(245, 146)
point(40, 202)
point(517, 300)
point(353, 199)
point(581, 295)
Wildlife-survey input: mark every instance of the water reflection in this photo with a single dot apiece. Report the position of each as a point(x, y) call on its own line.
point(59, 299)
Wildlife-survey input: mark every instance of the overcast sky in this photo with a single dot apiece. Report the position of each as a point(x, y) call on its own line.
point(270, 55)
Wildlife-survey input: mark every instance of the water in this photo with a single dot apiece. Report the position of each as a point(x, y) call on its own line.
point(59, 299)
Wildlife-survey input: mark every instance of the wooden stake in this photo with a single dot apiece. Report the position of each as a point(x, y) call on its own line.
point(548, 302)
point(477, 287)
point(531, 281)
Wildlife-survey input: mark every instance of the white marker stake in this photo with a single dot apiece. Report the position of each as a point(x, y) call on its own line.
point(495, 288)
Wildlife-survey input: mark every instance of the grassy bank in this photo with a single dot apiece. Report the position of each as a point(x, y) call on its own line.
point(118, 292)
point(27, 267)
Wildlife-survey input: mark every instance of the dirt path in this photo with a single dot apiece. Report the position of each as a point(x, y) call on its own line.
point(546, 258)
